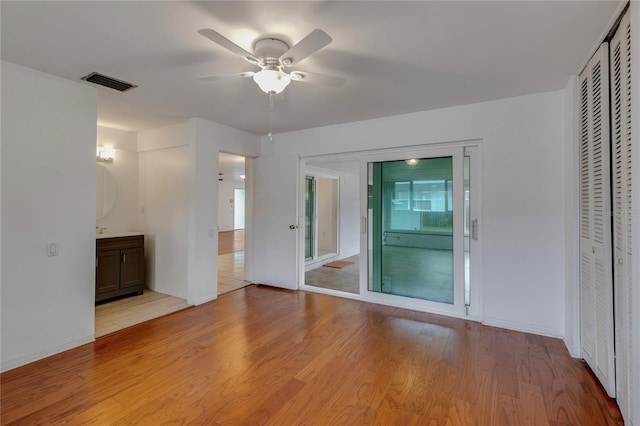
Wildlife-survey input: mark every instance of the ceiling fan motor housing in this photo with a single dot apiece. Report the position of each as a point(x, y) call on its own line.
point(270, 49)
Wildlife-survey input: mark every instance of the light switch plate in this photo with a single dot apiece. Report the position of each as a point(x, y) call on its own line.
point(52, 249)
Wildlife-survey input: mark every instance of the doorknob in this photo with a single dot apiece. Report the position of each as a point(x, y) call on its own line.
point(293, 226)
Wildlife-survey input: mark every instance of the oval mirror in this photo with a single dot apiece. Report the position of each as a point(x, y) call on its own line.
point(105, 191)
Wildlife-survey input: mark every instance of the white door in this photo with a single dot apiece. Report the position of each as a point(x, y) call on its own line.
point(596, 286)
point(275, 221)
point(620, 67)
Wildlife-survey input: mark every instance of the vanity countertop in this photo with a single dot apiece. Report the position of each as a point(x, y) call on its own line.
point(118, 234)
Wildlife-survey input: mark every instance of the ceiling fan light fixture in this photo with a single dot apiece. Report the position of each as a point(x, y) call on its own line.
point(272, 80)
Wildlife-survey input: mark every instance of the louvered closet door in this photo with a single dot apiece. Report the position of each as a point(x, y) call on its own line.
point(620, 66)
point(596, 286)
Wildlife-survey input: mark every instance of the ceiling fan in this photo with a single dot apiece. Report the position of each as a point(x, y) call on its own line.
point(274, 57)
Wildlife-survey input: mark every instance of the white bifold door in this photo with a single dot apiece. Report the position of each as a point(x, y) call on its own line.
point(620, 66)
point(596, 286)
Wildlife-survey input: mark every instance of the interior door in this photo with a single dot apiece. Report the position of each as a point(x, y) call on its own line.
point(276, 221)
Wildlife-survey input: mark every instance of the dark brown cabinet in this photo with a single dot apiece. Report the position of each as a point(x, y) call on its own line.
point(119, 266)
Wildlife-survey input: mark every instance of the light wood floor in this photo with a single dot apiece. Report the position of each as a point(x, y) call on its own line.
point(121, 313)
point(231, 261)
point(231, 272)
point(266, 356)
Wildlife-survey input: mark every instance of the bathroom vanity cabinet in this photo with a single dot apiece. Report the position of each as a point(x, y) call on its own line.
point(119, 266)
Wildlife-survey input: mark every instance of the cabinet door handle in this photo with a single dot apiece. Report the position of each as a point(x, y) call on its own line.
point(124, 257)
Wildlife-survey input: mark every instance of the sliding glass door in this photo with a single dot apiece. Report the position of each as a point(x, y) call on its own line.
point(415, 237)
point(309, 219)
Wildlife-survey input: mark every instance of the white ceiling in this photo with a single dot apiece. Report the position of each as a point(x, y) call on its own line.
point(398, 57)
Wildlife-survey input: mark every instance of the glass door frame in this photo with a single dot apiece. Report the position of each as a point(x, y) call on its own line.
point(310, 221)
point(457, 154)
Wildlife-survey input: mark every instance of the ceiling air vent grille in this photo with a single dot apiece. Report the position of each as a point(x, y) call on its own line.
point(110, 82)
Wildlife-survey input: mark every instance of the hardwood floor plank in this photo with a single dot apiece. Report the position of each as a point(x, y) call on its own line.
point(276, 357)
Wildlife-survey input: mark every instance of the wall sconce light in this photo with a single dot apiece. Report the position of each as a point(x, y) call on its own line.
point(106, 154)
point(242, 177)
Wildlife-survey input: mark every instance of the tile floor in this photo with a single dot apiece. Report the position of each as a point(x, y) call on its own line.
point(121, 313)
point(231, 272)
point(417, 272)
point(342, 279)
point(410, 272)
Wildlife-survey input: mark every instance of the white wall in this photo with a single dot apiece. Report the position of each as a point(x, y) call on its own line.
point(208, 139)
point(164, 192)
point(124, 169)
point(327, 211)
point(523, 158)
point(225, 207)
point(178, 192)
point(48, 194)
point(349, 209)
point(349, 215)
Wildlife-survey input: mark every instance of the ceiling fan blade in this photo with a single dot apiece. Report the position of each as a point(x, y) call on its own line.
point(313, 42)
point(316, 78)
point(228, 44)
point(223, 76)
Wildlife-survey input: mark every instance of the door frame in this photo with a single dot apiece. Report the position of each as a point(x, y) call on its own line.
point(475, 311)
point(316, 173)
point(458, 307)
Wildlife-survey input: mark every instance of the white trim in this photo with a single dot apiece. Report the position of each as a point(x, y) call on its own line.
point(603, 36)
point(23, 360)
point(476, 307)
point(572, 220)
point(403, 302)
point(524, 327)
point(204, 299)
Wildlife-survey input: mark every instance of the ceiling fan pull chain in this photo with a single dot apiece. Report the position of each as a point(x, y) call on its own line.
point(270, 117)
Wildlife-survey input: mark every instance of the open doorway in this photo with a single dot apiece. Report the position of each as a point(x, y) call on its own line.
point(331, 224)
point(231, 222)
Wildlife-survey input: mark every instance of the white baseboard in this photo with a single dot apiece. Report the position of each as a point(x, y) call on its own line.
point(574, 350)
point(202, 299)
point(23, 360)
point(524, 327)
